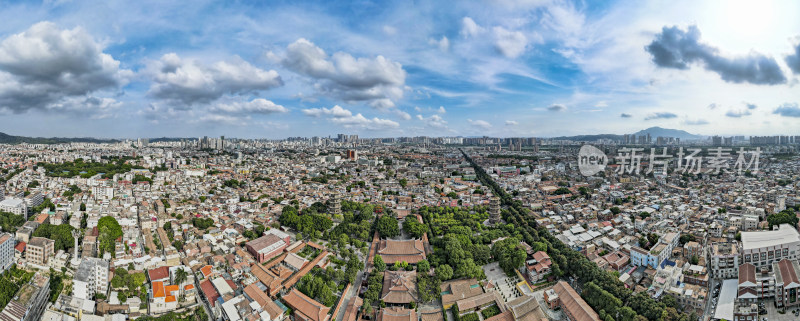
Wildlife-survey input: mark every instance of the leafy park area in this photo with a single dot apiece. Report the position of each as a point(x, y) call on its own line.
point(84, 169)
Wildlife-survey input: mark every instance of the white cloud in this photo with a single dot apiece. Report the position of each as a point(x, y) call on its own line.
point(443, 44)
point(45, 67)
point(402, 114)
point(434, 121)
point(482, 124)
point(335, 111)
point(383, 103)
point(345, 77)
point(601, 104)
point(258, 106)
point(344, 117)
point(469, 28)
point(191, 82)
point(441, 110)
point(509, 43)
point(511, 123)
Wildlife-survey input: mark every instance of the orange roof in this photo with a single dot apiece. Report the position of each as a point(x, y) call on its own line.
point(206, 270)
point(172, 288)
point(158, 289)
point(170, 299)
point(41, 218)
point(188, 287)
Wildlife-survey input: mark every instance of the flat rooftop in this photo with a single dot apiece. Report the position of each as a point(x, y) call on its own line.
point(758, 239)
point(726, 297)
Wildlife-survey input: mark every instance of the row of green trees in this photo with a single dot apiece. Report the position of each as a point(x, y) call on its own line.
point(579, 267)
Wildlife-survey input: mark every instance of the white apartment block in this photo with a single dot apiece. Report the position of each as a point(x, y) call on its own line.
point(7, 243)
point(762, 248)
point(14, 205)
point(723, 260)
point(91, 278)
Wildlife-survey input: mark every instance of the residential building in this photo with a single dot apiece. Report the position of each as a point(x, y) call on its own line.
point(14, 205)
point(91, 278)
point(7, 244)
point(723, 260)
point(39, 250)
point(29, 302)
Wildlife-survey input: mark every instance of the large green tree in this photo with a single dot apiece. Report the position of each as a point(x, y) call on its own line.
point(509, 254)
point(109, 231)
point(388, 226)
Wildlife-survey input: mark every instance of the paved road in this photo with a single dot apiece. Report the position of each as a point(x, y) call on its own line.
point(349, 295)
point(708, 313)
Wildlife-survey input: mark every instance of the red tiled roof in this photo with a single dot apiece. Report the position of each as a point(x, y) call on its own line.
point(306, 306)
point(209, 291)
point(574, 304)
point(158, 273)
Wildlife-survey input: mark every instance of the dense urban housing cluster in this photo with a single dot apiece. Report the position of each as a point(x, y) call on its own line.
point(415, 229)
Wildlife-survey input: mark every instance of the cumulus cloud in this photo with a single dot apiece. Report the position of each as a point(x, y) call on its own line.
point(48, 68)
point(482, 124)
point(434, 121)
point(713, 106)
point(557, 107)
point(344, 117)
point(441, 110)
point(191, 82)
point(257, 106)
point(511, 123)
point(788, 110)
point(345, 77)
point(335, 111)
point(793, 60)
point(382, 103)
point(443, 44)
point(625, 115)
point(738, 113)
point(469, 28)
point(509, 43)
point(750, 106)
point(678, 49)
point(402, 114)
point(662, 115)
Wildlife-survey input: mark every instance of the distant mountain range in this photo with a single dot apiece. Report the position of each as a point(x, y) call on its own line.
point(653, 131)
point(666, 132)
point(11, 139)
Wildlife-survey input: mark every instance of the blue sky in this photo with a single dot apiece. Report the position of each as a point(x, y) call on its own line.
point(276, 69)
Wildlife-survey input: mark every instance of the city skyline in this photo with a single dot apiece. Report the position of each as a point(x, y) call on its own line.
point(386, 69)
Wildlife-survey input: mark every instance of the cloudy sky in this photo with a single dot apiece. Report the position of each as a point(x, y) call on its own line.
point(382, 69)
